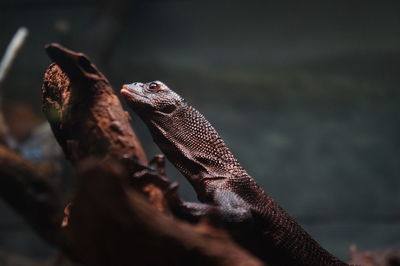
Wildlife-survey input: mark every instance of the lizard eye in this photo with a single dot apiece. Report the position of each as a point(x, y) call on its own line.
point(154, 86)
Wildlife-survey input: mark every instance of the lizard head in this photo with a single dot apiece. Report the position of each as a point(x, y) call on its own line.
point(152, 96)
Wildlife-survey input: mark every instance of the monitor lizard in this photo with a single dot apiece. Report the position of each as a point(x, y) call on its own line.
point(194, 147)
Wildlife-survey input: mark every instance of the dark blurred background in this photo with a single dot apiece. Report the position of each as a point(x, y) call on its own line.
point(304, 93)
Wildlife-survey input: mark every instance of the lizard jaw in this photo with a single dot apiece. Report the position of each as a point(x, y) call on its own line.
point(132, 96)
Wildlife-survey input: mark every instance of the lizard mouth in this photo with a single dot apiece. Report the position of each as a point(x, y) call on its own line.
point(131, 93)
point(134, 97)
point(126, 91)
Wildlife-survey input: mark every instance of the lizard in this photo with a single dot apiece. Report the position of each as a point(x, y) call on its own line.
point(195, 148)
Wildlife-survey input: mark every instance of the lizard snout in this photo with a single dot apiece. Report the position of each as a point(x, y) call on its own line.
point(133, 85)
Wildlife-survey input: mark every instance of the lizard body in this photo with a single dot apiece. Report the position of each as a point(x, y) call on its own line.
point(193, 146)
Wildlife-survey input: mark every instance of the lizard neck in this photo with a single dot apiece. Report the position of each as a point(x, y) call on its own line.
point(193, 146)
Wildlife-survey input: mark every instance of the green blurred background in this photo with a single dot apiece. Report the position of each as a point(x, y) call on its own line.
point(305, 93)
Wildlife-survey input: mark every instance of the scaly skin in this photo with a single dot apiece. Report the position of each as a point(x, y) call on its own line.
point(195, 148)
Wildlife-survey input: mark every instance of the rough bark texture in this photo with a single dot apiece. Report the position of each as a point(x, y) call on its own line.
point(85, 114)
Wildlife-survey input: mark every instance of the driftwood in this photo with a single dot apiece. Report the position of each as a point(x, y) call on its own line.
point(85, 114)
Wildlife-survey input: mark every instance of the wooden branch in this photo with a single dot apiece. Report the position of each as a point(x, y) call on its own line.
point(85, 114)
point(32, 196)
point(114, 225)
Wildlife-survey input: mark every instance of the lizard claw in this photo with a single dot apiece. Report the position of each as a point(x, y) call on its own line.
point(159, 163)
point(148, 175)
point(172, 196)
point(131, 163)
point(170, 189)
